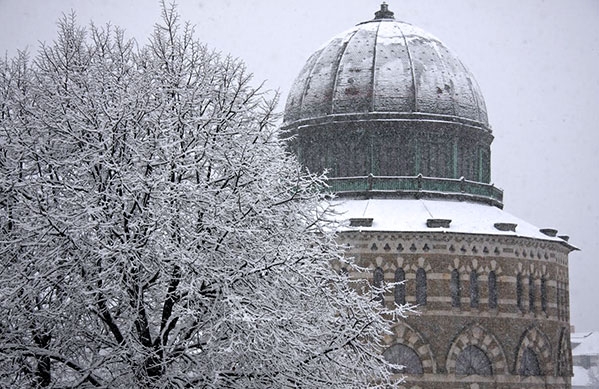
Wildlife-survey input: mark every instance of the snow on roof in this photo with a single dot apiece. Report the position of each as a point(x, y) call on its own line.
point(381, 56)
point(581, 376)
point(579, 336)
point(588, 343)
point(411, 215)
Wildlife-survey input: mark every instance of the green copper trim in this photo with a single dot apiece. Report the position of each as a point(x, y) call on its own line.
point(415, 186)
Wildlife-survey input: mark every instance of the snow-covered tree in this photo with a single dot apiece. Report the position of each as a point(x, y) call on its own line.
point(155, 233)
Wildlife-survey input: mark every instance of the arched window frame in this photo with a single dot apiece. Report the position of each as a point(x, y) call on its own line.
point(564, 359)
point(531, 293)
point(559, 301)
point(492, 284)
point(519, 292)
point(421, 292)
point(400, 287)
point(474, 300)
point(455, 289)
point(544, 294)
point(377, 282)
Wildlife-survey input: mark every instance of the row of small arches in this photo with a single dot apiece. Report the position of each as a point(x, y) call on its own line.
point(472, 360)
point(456, 290)
point(475, 351)
point(520, 297)
point(464, 249)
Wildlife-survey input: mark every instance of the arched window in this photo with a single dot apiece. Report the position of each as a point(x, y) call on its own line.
point(563, 354)
point(400, 289)
point(474, 289)
point(529, 365)
point(544, 294)
point(559, 301)
point(377, 282)
point(400, 354)
point(421, 286)
point(492, 290)
point(562, 301)
point(454, 286)
point(531, 294)
point(519, 292)
point(473, 360)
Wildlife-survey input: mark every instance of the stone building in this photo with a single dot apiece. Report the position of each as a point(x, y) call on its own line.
point(401, 126)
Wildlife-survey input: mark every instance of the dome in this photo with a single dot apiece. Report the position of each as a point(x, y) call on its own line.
point(385, 109)
point(385, 66)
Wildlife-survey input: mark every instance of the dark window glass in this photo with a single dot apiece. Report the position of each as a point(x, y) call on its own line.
point(519, 292)
point(399, 354)
point(455, 288)
point(531, 294)
point(377, 282)
point(400, 289)
point(473, 360)
point(474, 289)
point(559, 302)
point(529, 366)
point(492, 290)
point(544, 294)
point(421, 286)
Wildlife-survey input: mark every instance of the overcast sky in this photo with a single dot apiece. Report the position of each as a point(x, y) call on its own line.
point(536, 61)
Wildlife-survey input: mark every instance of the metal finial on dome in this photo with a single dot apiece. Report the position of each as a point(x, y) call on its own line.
point(384, 12)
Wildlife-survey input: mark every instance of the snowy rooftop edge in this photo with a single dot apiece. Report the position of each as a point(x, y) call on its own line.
point(588, 343)
point(411, 215)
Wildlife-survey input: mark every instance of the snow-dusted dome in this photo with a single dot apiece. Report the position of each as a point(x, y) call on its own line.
point(385, 66)
point(387, 110)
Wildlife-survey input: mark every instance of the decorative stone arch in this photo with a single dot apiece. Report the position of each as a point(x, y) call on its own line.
point(379, 271)
point(455, 264)
point(564, 355)
point(473, 265)
point(534, 287)
point(523, 270)
point(534, 340)
point(477, 336)
point(492, 266)
point(407, 336)
point(562, 294)
point(398, 263)
point(522, 275)
point(420, 263)
point(543, 277)
point(386, 265)
point(562, 275)
point(378, 283)
point(538, 270)
point(388, 268)
point(420, 267)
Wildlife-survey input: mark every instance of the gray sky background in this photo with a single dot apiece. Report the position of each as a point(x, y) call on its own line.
point(536, 61)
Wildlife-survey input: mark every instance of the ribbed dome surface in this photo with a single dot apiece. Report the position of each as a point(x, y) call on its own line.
point(385, 66)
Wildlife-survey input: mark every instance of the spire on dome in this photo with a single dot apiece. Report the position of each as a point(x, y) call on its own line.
point(384, 12)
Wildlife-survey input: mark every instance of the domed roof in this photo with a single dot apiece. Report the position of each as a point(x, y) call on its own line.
point(385, 66)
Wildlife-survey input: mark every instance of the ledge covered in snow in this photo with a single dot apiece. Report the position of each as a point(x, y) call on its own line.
point(420, 215)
